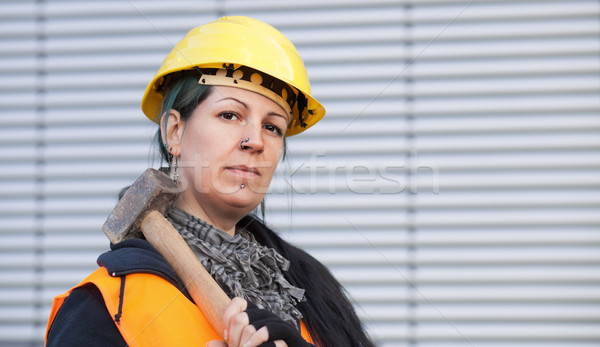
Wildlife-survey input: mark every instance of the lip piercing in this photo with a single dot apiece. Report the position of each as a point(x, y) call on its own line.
point(242, 147)
point(242, 186)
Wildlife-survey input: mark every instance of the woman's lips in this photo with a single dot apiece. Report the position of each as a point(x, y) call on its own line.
point(243, 170)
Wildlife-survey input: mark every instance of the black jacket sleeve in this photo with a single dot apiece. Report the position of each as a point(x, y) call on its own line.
point(83, 320)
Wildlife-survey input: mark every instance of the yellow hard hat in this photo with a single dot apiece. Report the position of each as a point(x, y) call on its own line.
point(241, 47)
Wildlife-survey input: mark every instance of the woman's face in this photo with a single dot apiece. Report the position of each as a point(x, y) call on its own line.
point(212, 162)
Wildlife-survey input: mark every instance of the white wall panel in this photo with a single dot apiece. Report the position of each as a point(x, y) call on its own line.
point(452, 187)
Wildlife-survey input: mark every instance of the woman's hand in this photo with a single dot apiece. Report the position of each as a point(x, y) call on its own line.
point(239, 331)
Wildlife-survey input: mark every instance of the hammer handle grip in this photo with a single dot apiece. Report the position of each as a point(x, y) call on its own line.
point(207, 294)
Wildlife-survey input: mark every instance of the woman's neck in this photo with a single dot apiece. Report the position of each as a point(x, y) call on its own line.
point(210, 216)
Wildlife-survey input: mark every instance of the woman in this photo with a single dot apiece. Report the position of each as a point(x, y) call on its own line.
point(225, 99)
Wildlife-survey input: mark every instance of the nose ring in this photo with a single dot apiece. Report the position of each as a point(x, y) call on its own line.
point(245, 140)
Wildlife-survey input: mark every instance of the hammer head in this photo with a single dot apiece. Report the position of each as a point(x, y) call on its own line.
point(152, 191)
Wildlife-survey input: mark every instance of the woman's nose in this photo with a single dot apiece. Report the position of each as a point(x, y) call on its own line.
point(252, 141)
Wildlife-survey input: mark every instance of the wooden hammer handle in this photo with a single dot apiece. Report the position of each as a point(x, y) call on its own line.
point(207, 294)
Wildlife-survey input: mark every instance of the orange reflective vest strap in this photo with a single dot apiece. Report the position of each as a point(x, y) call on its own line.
point(56, 304)
point(153, 312)
point(305, 334)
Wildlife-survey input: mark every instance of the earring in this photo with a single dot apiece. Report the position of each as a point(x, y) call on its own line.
point(174, 164)
point(245, 140)
point(175, 175)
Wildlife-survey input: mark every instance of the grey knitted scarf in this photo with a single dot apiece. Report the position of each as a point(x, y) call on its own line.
point(241, 266)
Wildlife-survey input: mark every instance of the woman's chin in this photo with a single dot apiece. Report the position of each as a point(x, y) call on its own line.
point(242, 199)
point(238, 198)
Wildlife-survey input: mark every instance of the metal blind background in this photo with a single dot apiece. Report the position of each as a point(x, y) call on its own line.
point(453, 187)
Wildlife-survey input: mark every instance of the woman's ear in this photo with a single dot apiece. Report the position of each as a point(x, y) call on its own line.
point(171, 126)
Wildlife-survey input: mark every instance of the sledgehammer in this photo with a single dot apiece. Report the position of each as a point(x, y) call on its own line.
point(140, 211)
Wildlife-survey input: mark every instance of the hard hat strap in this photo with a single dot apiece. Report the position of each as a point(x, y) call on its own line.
point(254, 81)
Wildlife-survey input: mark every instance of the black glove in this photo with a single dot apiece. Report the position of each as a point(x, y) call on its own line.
point(277, 327)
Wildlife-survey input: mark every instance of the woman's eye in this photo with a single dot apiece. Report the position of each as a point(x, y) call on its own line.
point(228, 115)
point(273, 128)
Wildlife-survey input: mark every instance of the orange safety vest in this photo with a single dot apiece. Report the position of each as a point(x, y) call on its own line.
point(154, 312)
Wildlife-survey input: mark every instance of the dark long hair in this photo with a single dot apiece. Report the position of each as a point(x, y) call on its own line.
point(328, 314)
